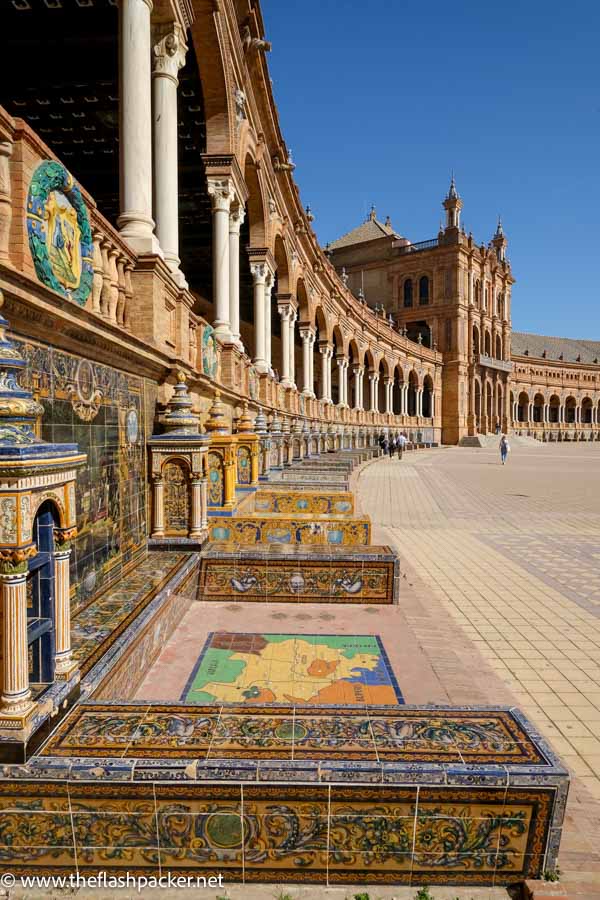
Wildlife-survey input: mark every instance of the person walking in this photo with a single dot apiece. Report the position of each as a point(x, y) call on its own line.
point(401, 444)
point(392, 447)
point(384, 446)
point(504, 449)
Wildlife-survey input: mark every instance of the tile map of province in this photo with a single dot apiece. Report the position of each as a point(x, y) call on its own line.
point(292, 668)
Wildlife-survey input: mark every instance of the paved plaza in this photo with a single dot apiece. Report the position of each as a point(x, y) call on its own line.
point(504, 596)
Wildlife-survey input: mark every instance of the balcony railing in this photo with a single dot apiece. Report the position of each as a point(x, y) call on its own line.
point(415, 248)
point(502, 365)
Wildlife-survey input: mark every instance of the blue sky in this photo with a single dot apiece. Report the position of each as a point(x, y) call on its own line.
point(380, 101)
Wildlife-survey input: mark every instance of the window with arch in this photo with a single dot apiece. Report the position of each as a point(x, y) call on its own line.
point(423, 290)
point(408, 292)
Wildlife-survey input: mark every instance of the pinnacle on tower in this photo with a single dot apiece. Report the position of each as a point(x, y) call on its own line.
point(499, 229)
point(453, 205)
point(452, 192)
point(372, 214)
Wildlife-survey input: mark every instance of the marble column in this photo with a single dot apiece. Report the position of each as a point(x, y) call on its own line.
point(358, 373)
point(220, 191)
point(16, 695)
point(62, 613)
point(325, 367)
point(432, 405)
point(373, 384)
point(259, 275)
point(169, 56)
point(389, 386)
point(292, 333)
point(135, 132)
point(236, 219)
point(342, 381)
point(285, 314)
point(307, 354)
point(269, 283)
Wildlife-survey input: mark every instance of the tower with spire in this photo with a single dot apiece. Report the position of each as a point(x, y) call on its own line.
point(499, 241)
point(453, 205)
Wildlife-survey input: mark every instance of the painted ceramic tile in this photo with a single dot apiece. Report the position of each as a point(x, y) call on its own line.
point(292, 668)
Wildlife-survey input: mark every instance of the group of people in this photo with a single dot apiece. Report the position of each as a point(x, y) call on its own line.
point(393, 445)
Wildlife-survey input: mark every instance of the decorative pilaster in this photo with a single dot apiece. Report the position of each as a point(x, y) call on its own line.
point(168, 56)
point(220, 191)
point(135, 137)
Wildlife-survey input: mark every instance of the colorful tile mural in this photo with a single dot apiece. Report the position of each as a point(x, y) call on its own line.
point(281, 530)
point(292, 668)
point(299, 574)
point(289, 502)
point(298, 833)
point(378, 734)
point(100, 623)
point(104, 411)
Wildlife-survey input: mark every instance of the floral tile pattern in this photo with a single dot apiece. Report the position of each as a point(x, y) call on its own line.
point(302, 833)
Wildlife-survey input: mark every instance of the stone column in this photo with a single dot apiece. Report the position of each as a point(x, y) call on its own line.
point(292, 333)
point(221, 194)
point(204, 503)
point(342, 365)
point(285, 314)
point(307, 341)
point(196, 516)
point(135, 133)
point(373, 383)
point(169, 56)
point(324, 350)
point(6, 149)
point(236, 219)
point(62, 613)
point(158, 508)
point(16, 695)
point(432, 405)
point(389, 384)
point(268, 290)
point(259, 274)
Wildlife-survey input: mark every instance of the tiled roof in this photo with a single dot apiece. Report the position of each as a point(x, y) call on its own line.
point(368, 231)
point(536, 344)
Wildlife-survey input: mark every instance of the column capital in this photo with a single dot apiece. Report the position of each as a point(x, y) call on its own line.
point(324, 347)
point(259, 272)
point(237, 214)
point(307, 332)
point(221, 193)
point(168, 51)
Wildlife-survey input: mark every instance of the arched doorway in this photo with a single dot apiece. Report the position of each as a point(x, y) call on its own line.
point(413, 384)
point(398, 387)
point(523, 407)
point(538, 408)
point(570, 410)
point(586, 411)
point(477, 405)
point(554, 409)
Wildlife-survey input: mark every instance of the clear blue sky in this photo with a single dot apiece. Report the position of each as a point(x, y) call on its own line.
point(379, 101)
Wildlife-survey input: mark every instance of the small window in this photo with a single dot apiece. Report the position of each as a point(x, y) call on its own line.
point(424, 290)
point(408, 292)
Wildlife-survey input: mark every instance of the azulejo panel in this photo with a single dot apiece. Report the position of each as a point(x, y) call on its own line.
point(60, 237)
point(258, 832)
point(393, 734)
point(299, 580)
point(254, 530)
point(339, 503)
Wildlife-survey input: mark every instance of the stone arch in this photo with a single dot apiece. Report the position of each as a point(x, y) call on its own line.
point(397, 389)
point(212, 48)
point(427, 397)
point(586, 411)
point(570, 410)
point(498, 347)
point(354, 360)
point(489, 401)
point(487, 345)
point(538, 407)
point(476, 341)
point(413, 387)
point(255, 205)
point(383, 371)
point(337, 340)
point(554, 409)
point(57, 505)
point(368, 362)
point(477, 403)
point(523, 407)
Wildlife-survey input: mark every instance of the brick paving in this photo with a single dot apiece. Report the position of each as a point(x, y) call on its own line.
point(503, 595)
